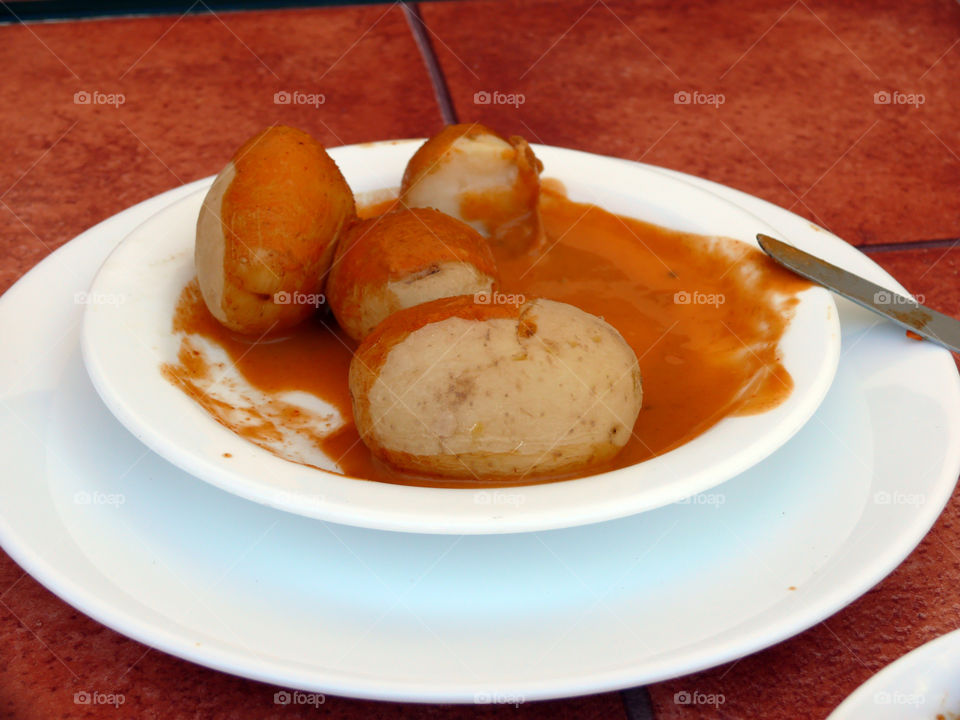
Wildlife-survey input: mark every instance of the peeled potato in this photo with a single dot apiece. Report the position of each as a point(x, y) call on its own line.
point(267, 231)
point(456, 388)
point(473, 174)
point(402, 259)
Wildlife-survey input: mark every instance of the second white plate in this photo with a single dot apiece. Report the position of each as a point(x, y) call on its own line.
point(126, 341)
point(175, 563)
point(924, 684)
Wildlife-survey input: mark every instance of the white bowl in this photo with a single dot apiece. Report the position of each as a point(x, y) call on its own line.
point(125, 343)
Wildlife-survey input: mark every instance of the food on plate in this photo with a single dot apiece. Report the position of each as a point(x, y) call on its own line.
point(401, 259)
point(476, 175)
point(461, 389)
point(267, 231)
point(704, 315)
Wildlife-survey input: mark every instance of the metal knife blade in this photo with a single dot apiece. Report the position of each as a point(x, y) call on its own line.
point(904, 311)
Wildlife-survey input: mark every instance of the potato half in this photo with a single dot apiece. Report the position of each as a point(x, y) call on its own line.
point(473, 174)
point(402, 259)
point(267, 231)
point(459, 389)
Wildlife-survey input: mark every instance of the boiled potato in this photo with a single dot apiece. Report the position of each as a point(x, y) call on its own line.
point(482, 178)
point(402, 259)
point(457, 388)
point(267, 231)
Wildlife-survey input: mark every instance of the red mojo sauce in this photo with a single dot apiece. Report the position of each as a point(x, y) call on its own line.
point(704, 316)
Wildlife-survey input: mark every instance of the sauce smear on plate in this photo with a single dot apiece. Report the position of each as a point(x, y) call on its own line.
point(704, 315)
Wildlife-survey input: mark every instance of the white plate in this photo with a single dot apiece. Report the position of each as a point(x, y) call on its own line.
point(125, 344)
point(923, 684)
point(234, 585)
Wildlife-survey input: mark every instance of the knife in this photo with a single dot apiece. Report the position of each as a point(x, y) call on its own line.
point(904, 311)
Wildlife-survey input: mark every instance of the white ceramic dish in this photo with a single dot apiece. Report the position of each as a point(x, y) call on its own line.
point(922, 685)
point(144, 548)
point(125, 343)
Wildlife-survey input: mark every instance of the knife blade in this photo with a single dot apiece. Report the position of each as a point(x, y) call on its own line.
point(903, 310)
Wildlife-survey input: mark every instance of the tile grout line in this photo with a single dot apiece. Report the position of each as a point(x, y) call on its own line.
point(440, 90)
point(637, 703)
point(908, 245)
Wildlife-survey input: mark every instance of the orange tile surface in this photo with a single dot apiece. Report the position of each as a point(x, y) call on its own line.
point(798, 124)
point(780, 96)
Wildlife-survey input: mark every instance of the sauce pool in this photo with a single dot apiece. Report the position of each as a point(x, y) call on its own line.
point(704, 315)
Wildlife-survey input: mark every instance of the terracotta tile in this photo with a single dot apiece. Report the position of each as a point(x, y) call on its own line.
point(798, 125)
point(52, 652)
point(194, 89)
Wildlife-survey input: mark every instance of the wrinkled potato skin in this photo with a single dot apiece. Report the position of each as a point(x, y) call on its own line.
point(482, 178)
point(268, 225)
point(401, 259)
point(457, 389)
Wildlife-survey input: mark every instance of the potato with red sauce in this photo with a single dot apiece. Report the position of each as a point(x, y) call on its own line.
point(476, 175)
point(267, 231)
point(401, 259)
point(460, 389)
